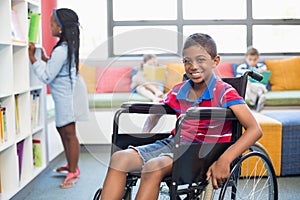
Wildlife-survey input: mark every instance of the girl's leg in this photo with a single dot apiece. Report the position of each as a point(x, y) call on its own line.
point(71, 145)
point(152, 174)
point(121, 163)
point(155, 89)
point(146, 93)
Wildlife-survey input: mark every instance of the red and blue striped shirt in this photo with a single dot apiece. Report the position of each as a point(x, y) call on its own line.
point(217, 94)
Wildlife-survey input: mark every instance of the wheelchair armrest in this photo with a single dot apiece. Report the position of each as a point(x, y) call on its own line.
point(147, 108)
point(210, 113)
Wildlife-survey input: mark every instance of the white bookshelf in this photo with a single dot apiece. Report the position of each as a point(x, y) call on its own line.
point(16, 92)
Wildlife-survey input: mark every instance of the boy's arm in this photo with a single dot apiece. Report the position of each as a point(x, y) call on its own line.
point(221, 168)
point(151, 122)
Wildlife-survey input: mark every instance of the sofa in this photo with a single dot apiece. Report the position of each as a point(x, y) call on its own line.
point(109, 87)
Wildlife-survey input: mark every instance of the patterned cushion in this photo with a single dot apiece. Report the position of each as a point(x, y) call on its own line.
point(290, 159)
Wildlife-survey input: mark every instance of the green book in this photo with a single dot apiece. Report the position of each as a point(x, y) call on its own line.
point(33, 31)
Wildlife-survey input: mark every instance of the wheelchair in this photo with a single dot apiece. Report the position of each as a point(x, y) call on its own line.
point(252, 175)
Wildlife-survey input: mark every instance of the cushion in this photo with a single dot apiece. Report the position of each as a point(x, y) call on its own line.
point(88, 73)
point(290, 158)
point(283, 98)
point(113, 79)
point(224, 70)
point(285, 73)
point(174, 75)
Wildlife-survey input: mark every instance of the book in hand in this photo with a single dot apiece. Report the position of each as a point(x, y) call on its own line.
point(154, 73)
point(34, 24)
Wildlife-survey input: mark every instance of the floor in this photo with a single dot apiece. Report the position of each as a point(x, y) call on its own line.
point(93, 165)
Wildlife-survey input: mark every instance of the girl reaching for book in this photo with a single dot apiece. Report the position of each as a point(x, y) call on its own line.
point(61, 73)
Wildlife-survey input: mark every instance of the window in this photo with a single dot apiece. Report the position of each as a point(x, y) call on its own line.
point(160, 27)
point(214, 9)
point(133, 10)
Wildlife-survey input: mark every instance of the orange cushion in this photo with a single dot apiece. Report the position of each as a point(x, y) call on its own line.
point(224, 70)
point(174, 75)
point(88, 74)
point(113, 79)
point(285, 73)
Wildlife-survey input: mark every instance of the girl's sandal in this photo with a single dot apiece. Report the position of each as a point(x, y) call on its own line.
point(70, 181)
point(62, 169)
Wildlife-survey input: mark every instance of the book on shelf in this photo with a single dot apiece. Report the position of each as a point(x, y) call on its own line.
point(16, 30)
point(33, 31)
point(17, 114)
point(1, 134)
point(3, 131)
point(37, 152)
point(20, 147)
point(35, 108)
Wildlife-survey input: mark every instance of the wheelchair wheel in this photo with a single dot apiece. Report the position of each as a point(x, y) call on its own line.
point(97, 194)
point(252, 177)
point(127, 194)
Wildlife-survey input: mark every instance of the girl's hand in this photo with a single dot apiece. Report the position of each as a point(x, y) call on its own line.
point(219, 171)
point(44, 57)
point(31, 49)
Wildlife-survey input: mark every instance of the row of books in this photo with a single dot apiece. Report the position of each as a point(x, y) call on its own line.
point(3, 129)
point(33, 27)
point(37, 154)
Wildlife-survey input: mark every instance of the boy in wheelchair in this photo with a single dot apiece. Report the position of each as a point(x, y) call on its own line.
point(155, 160)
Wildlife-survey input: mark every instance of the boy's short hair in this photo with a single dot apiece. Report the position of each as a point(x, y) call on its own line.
point(202, 40)
point(251, 51)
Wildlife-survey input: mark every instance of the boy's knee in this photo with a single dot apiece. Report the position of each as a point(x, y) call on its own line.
point(124, 160)
point(154, 168)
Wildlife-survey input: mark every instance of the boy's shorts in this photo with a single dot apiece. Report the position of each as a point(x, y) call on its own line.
point(162, 147)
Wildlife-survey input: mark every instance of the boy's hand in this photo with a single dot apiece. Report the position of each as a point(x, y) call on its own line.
point(219, 171)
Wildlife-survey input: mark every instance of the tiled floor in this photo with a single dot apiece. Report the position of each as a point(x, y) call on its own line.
point(93, 164)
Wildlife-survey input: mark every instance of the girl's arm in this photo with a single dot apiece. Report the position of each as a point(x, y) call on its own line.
point(220, 169)
point(47, 72)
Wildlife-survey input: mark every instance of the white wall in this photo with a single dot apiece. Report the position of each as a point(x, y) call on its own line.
point(93, 20)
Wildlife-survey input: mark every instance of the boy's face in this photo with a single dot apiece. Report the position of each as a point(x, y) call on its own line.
point(198, 64)
point(252, 60)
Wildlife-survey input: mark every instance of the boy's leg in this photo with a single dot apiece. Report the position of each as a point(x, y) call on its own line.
point(121, 163)
point(152, 174)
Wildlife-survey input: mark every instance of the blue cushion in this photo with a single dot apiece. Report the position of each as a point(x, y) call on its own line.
point(234, 66)
point(290, 158)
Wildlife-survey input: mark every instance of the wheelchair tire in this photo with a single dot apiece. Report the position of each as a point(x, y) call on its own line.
point(127, 195)
point(252, 177)
point(97, 194)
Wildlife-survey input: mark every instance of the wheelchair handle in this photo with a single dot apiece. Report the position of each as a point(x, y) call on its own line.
point(254, 75)
point(147, 108)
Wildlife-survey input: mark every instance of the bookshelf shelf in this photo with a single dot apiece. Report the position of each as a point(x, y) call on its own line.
point(21, 121)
